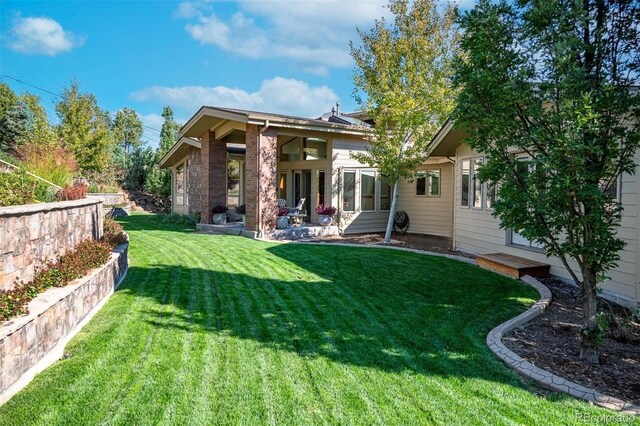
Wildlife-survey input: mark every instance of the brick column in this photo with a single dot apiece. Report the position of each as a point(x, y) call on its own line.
point(213, 174)
point(260, 179)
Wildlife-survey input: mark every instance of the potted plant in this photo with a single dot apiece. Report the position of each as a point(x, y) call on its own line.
point(219, 213)
point(242, 210)
point(325, 214)
point(282, 221)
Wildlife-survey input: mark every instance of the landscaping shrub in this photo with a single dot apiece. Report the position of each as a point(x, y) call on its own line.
point(69, 193)
point(241, 209)
point(87, 255)
point(105, 188)
point(176, 219)
point(16, 189)
point(54, 164)
point(113, 233)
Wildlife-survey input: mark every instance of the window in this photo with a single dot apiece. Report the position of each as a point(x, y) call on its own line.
point(421, 183)
point(464, 193)
point(290, 150)
point(490, 201)
point(385, 195)
point(179, 185)
point(315, 149)
point(476, 186)
point(282, 186)
point(434, 183)
point(367, 191)
point(321, 187)
point(349, 191)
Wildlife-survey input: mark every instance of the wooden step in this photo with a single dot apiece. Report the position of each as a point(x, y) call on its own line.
point(513, 266)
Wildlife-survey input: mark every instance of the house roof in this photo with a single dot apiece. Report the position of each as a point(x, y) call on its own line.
point(446, 141)
point(229, 119)
point(181, 148)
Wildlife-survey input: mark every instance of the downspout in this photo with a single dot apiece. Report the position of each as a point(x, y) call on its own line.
point(257, 165)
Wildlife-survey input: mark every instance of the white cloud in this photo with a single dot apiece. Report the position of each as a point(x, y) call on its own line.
point(277, 95)
point(41, 36)
point(315, 34)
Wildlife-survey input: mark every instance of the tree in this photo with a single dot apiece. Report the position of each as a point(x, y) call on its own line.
point(86, 129)
point(402, 82)
point(42, 132)
point(127, 129)
point(7, 99)
point(17, 122)
point(552, 78)
point(159, 180)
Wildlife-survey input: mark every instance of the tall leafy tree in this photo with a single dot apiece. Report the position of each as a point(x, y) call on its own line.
point(7, 98)
point(553, 78)
point(127, 129)
point(85, 129)
point(15, 124)
point(159, 180)
point(42, 133)
point(402, 82)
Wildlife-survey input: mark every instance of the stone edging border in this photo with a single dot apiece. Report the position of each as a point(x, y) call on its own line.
point(543, 377)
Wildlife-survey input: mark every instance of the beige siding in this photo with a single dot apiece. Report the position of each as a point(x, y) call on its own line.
point(429, 215)
point(476, 231)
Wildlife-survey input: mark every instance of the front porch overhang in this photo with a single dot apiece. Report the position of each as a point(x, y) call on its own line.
point(446, 141)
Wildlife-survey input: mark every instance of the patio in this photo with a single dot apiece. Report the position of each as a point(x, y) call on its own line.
point(303, 232)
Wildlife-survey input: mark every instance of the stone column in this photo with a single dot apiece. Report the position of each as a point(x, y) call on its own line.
point(213, 173)
point(260, 179)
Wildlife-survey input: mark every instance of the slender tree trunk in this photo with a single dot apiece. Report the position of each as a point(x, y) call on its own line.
point(392, 213)
point(590, 328)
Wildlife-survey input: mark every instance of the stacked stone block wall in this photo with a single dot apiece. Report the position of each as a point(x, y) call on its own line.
point(32, 234)
point(30, 343)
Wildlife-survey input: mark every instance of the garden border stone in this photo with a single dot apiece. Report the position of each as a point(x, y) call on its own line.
point(545, 378)
point(31, 343)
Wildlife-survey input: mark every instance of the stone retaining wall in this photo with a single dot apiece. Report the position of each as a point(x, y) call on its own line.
point(31, 234)
point(108, 198)
point(30, 343)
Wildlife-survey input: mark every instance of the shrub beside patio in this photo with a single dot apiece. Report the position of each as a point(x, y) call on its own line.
point(218, 329)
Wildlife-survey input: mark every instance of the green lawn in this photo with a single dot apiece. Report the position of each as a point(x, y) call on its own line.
point(225, 330)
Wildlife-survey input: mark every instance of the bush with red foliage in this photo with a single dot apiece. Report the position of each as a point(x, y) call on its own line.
point(114, 233)
point(87, 255)
point(75, 192)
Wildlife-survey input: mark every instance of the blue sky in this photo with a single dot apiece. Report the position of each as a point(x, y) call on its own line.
point(278, 56)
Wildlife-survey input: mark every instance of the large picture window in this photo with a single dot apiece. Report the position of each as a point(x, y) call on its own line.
point(476, 185)
point(464, 192)
point(368, 191)
point(179, 185)
point(290, 150)
point(385, 195)
point(349, 191)
point(315, 149)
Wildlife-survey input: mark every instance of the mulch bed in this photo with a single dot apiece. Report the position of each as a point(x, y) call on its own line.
point(552, 342)
point(411, 241)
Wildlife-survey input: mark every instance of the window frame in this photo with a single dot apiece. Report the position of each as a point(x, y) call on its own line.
point(461, 204)
point(182, 165)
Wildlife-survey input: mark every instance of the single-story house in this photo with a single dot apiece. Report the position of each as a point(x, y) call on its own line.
point(286, 157)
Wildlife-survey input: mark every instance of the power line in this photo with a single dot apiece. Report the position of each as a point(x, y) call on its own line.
point(60, 96)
